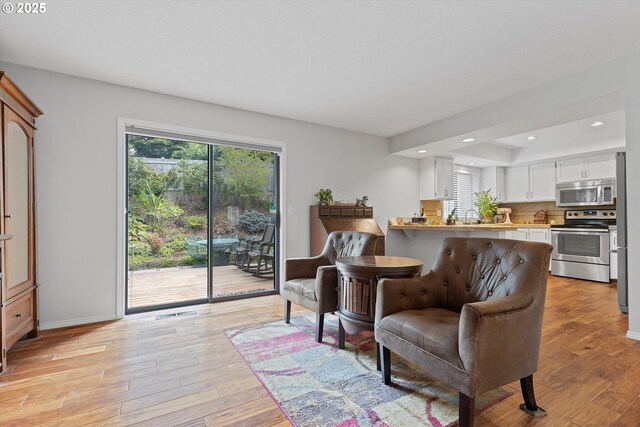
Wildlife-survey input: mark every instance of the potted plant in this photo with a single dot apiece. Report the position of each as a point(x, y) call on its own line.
point(451, 218)
point(324, 196)
point(487, 205)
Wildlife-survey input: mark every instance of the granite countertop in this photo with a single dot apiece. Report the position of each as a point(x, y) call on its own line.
point(474, 227)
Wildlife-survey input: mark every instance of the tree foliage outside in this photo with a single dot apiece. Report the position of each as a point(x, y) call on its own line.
point(164, 205)
point(253, 222)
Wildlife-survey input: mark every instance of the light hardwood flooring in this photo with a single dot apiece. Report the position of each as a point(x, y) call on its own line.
point(184, 371)
point(168, 285)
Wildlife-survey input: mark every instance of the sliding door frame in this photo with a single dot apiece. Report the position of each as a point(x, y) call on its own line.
point(193, 135)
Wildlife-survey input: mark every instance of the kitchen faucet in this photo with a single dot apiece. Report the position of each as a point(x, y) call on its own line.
point(466, 221)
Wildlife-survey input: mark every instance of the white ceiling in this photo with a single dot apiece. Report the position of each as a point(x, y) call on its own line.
point(375, 67)
point(563, 140)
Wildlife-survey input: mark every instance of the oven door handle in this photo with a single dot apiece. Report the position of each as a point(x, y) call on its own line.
point(594, 231)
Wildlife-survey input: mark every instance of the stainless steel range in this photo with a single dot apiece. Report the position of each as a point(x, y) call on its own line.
point(581, 245)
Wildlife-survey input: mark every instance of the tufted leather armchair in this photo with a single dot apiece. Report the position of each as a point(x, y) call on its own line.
point(313, 282)
point(474, 321)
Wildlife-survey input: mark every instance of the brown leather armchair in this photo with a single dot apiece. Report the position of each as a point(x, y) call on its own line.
point(313, 282)
point(474, 321)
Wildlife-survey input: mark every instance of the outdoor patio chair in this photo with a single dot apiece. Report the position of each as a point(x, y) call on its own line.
point(263, 256)
point(247, 245)
point(196, 251)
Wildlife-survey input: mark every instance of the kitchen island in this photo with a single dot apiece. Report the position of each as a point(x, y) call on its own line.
point(422, 241)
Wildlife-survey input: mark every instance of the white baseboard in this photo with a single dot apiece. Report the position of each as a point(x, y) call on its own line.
point(633, 335)
point(75, 322)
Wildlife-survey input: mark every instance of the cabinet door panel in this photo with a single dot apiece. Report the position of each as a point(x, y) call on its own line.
point(603, 166)
point(18, 213)
point(521, 234)
point(543, 182)
point(447, 178)
point(570, 170)
point(517, 180)
point(539, 235)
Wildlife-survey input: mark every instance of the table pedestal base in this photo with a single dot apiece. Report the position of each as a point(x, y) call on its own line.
point(357, 282)
point(341, 338)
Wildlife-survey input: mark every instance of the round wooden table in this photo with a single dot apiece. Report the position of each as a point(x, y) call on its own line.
point(358, 279)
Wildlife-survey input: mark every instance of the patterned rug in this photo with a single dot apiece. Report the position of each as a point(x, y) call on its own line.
point(319, 385)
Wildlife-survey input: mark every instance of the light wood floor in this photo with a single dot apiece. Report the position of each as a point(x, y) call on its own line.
point(167, 285)
point(184, 371)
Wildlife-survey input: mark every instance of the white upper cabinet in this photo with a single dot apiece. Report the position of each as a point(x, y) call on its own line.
point(542, 181)
point(570, 170)
point(493, 180)
point(589, 167)
point(517, 179)
point(436, 178)
point(531, 183)
point(602, 166)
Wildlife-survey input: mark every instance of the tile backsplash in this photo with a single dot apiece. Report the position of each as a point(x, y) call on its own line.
point(431, 208)
point(522, 213)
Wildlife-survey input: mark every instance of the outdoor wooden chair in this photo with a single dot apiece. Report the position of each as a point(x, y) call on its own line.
point(247, 245)
point(263, 257)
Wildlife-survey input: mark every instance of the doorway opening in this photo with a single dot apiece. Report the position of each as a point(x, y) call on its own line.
point(202, 222)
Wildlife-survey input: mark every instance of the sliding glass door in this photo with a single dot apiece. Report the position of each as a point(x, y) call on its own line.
point(243, 221)
point(202, 222)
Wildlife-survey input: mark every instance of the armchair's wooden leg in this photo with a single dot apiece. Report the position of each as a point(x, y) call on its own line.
point(529, 406)
point(287, 311)
point(466, 406)
point(320, 326)
point(386, 364)
point(378, 367)
point(340, 334)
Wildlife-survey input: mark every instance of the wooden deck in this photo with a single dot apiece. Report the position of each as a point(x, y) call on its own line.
point(169, 285)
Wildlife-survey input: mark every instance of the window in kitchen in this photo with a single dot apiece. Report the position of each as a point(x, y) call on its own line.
point(465, 187)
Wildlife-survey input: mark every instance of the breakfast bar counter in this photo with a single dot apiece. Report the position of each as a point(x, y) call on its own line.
point(422, 241)
point(467, 227)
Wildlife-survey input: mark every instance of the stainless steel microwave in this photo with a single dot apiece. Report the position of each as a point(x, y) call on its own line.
point(597, 192)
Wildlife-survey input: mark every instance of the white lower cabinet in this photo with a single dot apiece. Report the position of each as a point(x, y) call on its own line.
point(530, 235)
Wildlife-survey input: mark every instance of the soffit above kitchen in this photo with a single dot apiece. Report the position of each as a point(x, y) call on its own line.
point(375, 67)
point(593, 134)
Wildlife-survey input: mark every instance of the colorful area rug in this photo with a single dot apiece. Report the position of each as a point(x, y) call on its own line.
point(319, 385)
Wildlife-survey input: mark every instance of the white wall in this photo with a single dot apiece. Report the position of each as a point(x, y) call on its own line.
point(620, 76)
point(76, 196)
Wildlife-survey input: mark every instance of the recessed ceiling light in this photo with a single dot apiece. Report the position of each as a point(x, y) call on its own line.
point(472, 164)
point(531, 137)
point(468, 140)
point(422, 151)
point(596, 124)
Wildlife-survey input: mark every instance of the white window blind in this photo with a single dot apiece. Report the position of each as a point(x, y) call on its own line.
point(465, 187)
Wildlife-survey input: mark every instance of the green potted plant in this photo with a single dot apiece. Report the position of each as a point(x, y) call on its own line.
point(324, 196)
point(451, 218)
point(487, 205)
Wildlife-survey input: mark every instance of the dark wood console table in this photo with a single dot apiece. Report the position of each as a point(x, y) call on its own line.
point(358, 279)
